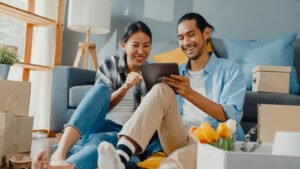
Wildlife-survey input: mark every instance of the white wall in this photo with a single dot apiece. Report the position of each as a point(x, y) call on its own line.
point(251, 19)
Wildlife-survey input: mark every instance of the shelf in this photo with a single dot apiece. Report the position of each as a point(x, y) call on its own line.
point(33, 66)
point(32, 20)
point(29, 17)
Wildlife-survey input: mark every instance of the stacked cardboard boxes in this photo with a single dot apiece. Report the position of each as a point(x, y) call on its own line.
point(15, 124)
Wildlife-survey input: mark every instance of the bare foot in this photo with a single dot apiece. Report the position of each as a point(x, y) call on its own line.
point(40, 161)
point(57, 157)
point(108, 157)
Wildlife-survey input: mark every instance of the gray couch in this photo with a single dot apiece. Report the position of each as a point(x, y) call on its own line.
point(69, 85)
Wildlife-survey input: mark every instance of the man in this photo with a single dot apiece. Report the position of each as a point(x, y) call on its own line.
point(209, 89)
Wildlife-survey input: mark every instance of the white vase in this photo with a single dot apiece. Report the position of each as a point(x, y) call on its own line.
point(4, 70)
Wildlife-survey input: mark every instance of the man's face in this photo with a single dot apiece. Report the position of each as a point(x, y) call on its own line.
point(191, 39)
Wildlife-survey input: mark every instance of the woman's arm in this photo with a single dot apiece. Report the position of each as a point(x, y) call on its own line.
point(132, 79)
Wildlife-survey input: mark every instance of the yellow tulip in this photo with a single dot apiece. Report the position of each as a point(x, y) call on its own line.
point(193, 128)
point(223, 131)
point(210, 134)
point(199, 135)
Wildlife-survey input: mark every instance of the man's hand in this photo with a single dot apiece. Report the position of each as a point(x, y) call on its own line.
point(132, 79)
point(180, 84)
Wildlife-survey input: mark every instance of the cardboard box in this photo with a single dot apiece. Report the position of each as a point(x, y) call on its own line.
point(22, 135)
point(271, 79)
point(209, 157)
point(272, 118)
point(7, 124)
point(15, 96)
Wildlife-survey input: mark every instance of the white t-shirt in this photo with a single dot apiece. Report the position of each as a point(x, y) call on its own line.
point(192, 115)
point(124, 110)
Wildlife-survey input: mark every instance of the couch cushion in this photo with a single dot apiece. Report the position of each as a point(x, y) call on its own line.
point(174, 55)
point(77, 93)
point(297, 58)
point(219, 48)
point(162, 47)
point(278, 51)
point(254, 98)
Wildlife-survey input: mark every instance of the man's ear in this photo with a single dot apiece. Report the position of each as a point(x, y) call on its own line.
point(207, 33)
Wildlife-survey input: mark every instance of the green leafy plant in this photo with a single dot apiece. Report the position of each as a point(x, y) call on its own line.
point(8, 56)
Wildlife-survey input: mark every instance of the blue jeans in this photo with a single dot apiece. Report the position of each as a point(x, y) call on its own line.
point(89, 120)
point(84, 155)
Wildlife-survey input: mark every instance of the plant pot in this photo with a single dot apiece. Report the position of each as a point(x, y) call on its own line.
point(4, 70)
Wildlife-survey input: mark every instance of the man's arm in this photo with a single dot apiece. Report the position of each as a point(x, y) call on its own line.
point(182, 86)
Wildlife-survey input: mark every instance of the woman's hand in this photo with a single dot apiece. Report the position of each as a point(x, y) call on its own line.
point(180, 84)
point(133, 78)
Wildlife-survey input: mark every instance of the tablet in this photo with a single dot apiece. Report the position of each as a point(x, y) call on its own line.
point(153, 72)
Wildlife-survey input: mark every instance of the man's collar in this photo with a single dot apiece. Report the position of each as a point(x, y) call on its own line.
point(211, 65)
point(209, 68)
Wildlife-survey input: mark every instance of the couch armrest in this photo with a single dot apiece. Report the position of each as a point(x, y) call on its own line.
point(63, 78)
point(252, 99)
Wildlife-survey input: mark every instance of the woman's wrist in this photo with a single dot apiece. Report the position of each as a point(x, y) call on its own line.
point(125, 87)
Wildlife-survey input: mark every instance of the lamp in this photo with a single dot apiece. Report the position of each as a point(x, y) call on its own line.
point(92, 16)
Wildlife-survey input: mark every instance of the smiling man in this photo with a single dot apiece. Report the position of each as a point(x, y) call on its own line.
point(209, 89)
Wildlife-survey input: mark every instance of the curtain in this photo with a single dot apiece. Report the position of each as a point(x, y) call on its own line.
point(42, 53)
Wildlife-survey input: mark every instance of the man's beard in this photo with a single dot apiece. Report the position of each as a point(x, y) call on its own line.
point(194, 57)
point(197, 55)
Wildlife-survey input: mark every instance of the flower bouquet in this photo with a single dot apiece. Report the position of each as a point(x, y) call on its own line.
point(224, 137)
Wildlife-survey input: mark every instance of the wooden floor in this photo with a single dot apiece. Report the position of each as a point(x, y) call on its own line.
point(42, 143)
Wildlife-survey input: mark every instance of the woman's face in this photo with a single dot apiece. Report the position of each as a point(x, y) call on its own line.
point(137, 49)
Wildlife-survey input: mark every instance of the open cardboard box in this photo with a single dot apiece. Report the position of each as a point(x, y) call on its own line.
point(272, 118)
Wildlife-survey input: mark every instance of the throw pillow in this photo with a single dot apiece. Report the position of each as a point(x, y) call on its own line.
point(278, 51)
point(153, 161)
point(174, 56)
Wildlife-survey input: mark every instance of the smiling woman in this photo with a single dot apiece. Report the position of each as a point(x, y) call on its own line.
point(107, 106)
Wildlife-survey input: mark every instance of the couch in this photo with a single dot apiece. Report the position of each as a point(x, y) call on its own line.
point(69, 85)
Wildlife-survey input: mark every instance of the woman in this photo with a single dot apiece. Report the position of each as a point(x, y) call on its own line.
point(106, 107)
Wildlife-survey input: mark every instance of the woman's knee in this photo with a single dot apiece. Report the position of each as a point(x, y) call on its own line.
point(101, 91)
point(102, 88)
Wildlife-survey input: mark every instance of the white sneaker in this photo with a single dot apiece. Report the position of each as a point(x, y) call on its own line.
point(108, 157)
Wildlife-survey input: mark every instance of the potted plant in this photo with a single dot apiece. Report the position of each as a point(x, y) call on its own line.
point(8, 56)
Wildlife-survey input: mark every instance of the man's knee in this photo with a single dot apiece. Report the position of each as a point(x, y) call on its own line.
point(163, 88)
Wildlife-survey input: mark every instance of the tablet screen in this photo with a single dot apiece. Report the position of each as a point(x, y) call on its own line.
point(153, 72)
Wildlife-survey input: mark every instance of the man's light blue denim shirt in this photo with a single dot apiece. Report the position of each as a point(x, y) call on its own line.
point(225, 84)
